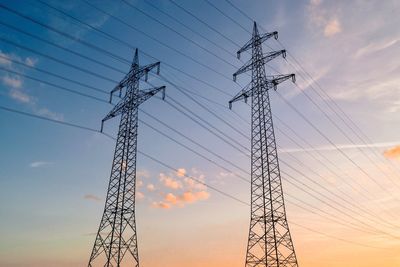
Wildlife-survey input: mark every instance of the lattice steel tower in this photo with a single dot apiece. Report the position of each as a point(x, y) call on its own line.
point(116, 240)
point(269, 242)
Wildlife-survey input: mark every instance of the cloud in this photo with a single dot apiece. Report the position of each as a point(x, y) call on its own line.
point(324, 18)
point(341, 146)
point(139, 195)
point(20, 96)
point(31, 61)
point(375, 47)
point(5, 59)
point(161, 205)
point(181, 172)
point(37, 164)
point(151, 187)
point(170, 200)
point(186, 190)
point(92, 197)
point(49, 114)
point(191, 197)
point(14, 82)
point(332, 27)
point(170, 182)
point(392, 153)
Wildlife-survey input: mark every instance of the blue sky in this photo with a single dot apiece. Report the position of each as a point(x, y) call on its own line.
point(53, 178)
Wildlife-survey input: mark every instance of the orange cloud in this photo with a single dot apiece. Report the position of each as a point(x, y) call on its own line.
point(171, 198)
point(170, 182)
point(187, 197)
point(181, 172)
point(188, 190)
point(191, 197)
point(392, 153)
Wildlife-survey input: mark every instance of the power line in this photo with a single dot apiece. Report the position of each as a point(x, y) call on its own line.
point(203, 22)
point(341, 118)
point(226, 16)
point(94, 98)
point(55, 85)
point(313, 181)
point(205, 108)
point(189, 28)
point(101, 50)
point(173, 169)
point(60, 46)
point(330, 141)
point(328, 104)
point(372, 179)
point(178, 33)
point(73, 91)
point(69, 90)
point(58, 61)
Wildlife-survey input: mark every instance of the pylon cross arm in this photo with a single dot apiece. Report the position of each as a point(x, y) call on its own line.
point(135, 74)
point(242, 95)
point(273, 81)
point(143, 95)
point(257, 39)
point(265, 59)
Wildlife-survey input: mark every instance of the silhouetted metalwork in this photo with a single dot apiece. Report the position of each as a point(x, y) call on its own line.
point(269, 242)
point(116, 239)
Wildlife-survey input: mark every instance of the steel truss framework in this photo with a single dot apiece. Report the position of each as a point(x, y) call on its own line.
point(116, 239)
point(269, 242)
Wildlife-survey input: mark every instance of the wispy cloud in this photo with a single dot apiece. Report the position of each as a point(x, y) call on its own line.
point(92, 197)
point(31, 61)
point(49, 114)
point(37, 164)
point(375, 47)
point(20, 96)
point(340, 146)
point(14, 82)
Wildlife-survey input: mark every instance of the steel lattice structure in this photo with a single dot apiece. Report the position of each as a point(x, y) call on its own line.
point(269, 242)
point(116, 240)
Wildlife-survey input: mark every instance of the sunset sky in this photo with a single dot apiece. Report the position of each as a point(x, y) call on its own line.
point(342, 192)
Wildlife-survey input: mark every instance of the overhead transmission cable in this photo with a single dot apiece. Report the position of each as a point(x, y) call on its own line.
point(174, 169)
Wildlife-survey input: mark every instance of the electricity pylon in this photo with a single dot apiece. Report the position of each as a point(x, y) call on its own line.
point(116, 239)
point(269, 243)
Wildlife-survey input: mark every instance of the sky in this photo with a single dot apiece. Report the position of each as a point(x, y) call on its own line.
point(53, 178)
